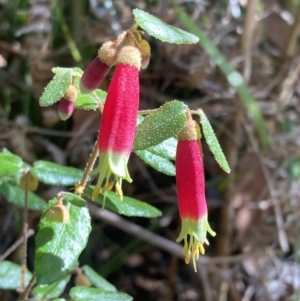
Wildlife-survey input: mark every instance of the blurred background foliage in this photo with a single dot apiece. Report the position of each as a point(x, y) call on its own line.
point(255, 210)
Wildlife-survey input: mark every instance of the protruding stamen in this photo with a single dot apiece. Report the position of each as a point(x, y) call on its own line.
point(119, 191)
point(187, 257)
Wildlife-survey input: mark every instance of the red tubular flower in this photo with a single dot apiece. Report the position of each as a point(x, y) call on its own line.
point(118, 122)
point(98, 68)
point(66, 104)
point(191, 192)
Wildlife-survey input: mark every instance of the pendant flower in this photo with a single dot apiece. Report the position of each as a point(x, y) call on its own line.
point(118, 122)
point(191, 192)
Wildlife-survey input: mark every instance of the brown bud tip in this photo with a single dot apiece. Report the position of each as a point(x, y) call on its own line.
point(58, 213)
point(129, 55)
point(93, 76)
point(108, 53)
point(71, 93)
point(82, 280)
point(30, 181)
point(65, 108)
point(145, 53)
point(191, 130)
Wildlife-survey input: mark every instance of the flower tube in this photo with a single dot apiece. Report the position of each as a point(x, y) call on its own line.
point(118, 122)
point(191, 192)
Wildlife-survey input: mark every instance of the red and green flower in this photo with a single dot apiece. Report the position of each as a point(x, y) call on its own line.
point(191, 192)
point(117, 127)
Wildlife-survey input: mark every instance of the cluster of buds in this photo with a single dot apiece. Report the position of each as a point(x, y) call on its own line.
point(190, 182)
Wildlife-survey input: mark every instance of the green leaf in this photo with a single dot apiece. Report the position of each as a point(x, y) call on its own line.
point(128, 206)
point(166, 149)
point(213, 142)
point(233, 77)
point(16, 195)
point(57, 87)
point(97, 280)
point(58, 70)
point(10, 275)
point(157, 162)
point(82, 293)
point(59, 299)
point(55, 174)
point(10, 164)
point(58, 245)
point(54, 290)
point(88, 101)
point(162, 31)
point(164, 123)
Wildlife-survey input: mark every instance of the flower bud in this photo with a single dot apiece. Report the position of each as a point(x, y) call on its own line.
point(97, 70)
point(58, 213)
point(82, 280)
point(29, 181)
point(66, 104)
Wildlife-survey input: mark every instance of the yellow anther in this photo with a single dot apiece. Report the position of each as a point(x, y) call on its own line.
point(201, 248)
point(119, 191)
point(110, 185)
point(186, 247)
point(196, 254)
point(187, 257)
point(107, 187)
point(95, 192)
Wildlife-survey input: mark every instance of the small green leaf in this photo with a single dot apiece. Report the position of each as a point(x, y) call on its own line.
point(157, 162)
point(10, 164)
point(213, 142)
point(58, 245)
point(54, 290)
point(59, 299)
point(57, 87)
point(164, 123)
point(128, 206)
point(82, 293)
point(162, 31)
point(166, 149)
point(55, 174)
point(88, 101)
point(58, 70)
point(10, 275)
point(16, 195)
point(97, 280)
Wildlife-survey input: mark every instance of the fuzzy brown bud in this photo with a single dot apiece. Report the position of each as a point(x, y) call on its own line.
point(82, 280)
point(29, 181)
point(58, 213)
